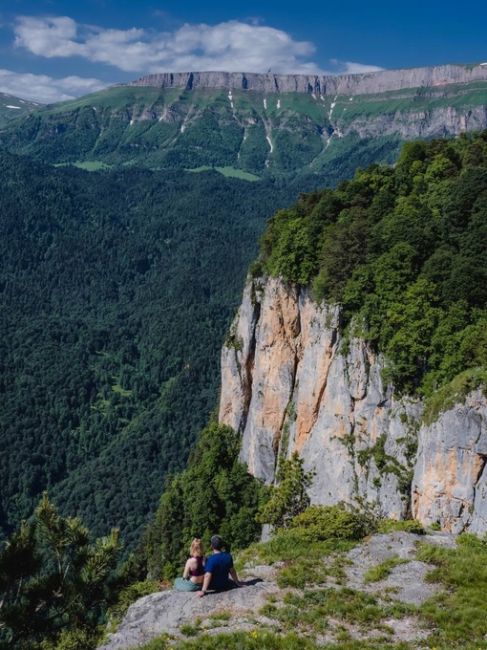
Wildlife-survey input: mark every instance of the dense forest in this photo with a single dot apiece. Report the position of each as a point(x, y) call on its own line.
point(403, 250)
point(116, 289)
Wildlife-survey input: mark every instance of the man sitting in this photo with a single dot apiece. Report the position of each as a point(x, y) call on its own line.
point(217, 569)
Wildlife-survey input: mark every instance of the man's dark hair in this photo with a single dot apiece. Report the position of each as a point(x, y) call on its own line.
point(217, 543)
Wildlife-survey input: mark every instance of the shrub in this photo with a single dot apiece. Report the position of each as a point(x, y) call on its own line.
point(319, 523)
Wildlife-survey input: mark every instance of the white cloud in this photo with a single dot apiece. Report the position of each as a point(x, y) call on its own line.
point(229, 46)
point(45, 89)
point(351, 67)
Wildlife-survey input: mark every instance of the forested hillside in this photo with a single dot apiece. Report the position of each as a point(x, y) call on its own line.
point(116, 289)
point(403, 250)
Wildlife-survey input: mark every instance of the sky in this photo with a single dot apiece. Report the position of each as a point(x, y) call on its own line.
point(53, 50)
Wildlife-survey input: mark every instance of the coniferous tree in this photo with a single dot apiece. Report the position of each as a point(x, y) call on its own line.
point(54, 581)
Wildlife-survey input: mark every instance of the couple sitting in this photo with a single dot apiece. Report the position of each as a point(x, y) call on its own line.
point(211, 574)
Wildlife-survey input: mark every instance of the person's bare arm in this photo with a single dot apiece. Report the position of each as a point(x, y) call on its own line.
point(234, 576)
point(186, 569)
point(206, 584)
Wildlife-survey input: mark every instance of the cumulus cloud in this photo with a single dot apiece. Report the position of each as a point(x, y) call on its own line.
point(229, 46)
point(45, 89)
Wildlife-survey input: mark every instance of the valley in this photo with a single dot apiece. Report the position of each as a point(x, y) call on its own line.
point(339, 403)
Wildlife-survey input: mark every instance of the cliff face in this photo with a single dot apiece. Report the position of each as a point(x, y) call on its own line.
point(350, 84)
point(450, 475)
point(291, 383)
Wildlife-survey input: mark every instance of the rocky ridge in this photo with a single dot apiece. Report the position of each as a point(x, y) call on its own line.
point(290, 382)
point(320, 127)
point(348, 84)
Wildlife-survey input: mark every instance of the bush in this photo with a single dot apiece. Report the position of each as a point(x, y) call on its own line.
point(319, 523)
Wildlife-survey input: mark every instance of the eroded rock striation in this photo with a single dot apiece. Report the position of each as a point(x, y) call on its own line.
point(291, 382)
point(348, 84)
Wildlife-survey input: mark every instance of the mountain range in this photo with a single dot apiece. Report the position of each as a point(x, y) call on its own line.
point(11, 108)
point(256, 125)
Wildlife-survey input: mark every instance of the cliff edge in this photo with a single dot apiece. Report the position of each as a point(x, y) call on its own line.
point(291, 382)
point(348, 84)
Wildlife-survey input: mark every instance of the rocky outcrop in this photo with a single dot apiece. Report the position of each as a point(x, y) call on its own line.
point(349, 84)
point(168, 612)
point(409, 124)
point(290, 382)
point(450, 478)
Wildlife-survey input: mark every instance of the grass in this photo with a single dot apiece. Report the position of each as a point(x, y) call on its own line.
point(260, 640)
point(458, 614)
point(87, 165)
point(220, 616)
point(312, 550)
point(313, 568)
point(228, 172)
point(313, 609)
point(289, 546)
point(454, 392)
point(404, 525)
point(190, 630)
point(383, 569)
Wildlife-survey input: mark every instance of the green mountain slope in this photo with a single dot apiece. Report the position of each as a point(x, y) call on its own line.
point(286, 133)
point(11, 108)
point(115, 292)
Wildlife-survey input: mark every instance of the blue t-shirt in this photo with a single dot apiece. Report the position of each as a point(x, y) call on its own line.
point(219, 564)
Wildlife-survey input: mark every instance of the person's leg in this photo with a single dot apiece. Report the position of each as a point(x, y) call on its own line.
point(180, 584)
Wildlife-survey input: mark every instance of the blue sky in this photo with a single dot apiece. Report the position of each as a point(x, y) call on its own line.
point(55, 49)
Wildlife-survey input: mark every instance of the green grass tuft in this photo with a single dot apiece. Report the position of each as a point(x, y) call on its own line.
point(454, 392)
point(382, 570)
point(406, 525)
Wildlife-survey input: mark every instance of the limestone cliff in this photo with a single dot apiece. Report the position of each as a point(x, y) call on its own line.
point(348, 84)
point(291, 382)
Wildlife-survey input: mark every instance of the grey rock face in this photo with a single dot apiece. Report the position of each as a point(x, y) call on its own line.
point(449, 485)
point(350, 84)
point(408, 124)
point(289, 384)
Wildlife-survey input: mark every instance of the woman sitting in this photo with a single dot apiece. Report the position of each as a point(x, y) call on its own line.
point(194, 570)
